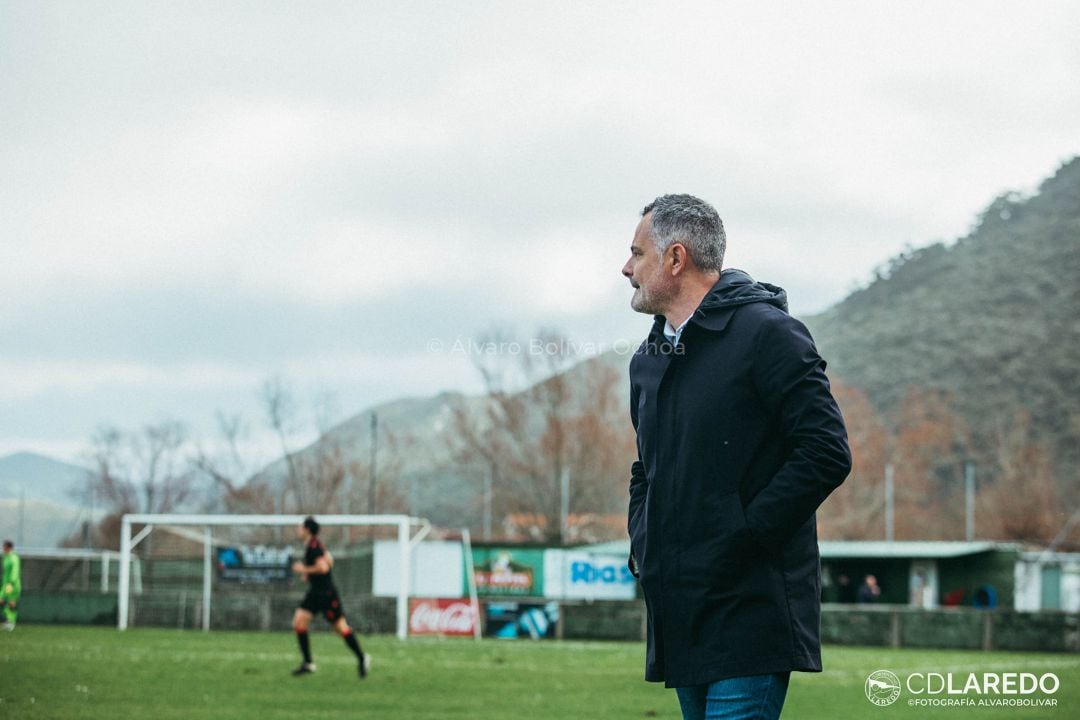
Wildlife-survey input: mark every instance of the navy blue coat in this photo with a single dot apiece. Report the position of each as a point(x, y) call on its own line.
point(739, 441)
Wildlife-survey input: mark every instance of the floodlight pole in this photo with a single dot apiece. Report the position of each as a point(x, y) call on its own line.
point(404, 579)
point(208, 541)
point(889, 503)
point(125, 573)
point(969, 501)
point(374, 461)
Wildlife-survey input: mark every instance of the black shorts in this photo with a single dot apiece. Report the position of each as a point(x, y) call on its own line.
point(323, 602)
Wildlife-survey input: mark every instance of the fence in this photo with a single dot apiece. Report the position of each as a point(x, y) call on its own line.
point(883, 625)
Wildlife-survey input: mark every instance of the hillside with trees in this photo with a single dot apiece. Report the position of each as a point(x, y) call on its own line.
point(968, 352)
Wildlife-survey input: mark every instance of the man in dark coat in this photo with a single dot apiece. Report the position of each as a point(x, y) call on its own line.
point(739, 441)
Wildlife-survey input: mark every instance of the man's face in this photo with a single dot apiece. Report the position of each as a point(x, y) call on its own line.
point(654, 286)
point(302, 533)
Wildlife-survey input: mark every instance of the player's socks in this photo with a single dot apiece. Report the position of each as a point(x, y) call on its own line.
point(305, 646)
point(9, 618)
point(354, 645)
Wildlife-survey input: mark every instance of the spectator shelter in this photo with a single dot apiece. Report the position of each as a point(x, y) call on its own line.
point(925, 574)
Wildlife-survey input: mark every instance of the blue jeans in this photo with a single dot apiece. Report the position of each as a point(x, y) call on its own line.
point(754, 697)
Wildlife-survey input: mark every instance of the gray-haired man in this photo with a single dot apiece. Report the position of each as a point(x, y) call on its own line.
point(739, 441)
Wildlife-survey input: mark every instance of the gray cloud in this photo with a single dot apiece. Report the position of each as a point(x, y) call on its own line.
point(196, 196)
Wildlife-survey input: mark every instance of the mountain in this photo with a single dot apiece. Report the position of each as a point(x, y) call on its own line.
point(38, 523)
point(417, 469)
point(40, 499)
point(41, 478)
point(993, 319)
point(411, 458)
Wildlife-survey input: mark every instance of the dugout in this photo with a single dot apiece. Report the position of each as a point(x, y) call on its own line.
point(922, 574)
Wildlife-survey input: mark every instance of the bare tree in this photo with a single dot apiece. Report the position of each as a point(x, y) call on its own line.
point(312, 479)
point(233, 471)
point(601, 447)
point(856, 509)
point(929, 448)
point(1021, 501)
point(280, 410)
point(315, 478)
point(552, 442)
point(145, 471)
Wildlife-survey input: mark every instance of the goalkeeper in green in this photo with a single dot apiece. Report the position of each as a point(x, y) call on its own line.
point(11, 585)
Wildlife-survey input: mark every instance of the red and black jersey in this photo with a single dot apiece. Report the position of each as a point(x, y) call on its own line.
point(315, 550)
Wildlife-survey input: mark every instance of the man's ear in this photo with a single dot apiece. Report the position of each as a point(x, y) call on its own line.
point(678, 258)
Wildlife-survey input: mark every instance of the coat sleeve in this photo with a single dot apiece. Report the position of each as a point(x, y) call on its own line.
point(639, 483)
point(789, 376)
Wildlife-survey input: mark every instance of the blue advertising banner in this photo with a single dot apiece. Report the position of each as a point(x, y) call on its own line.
point(511, 620)
point(258, 565)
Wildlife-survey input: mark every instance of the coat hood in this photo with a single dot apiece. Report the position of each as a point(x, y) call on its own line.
point(733, 289)
point(736, 287)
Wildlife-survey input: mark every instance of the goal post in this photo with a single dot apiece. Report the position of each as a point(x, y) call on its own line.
point(406, 540)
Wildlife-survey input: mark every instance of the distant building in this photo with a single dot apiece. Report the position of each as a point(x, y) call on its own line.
point(1048, 581)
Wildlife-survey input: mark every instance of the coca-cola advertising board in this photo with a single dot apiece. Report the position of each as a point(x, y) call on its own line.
point(441, 617)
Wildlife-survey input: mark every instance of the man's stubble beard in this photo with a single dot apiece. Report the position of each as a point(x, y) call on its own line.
point(651, 303)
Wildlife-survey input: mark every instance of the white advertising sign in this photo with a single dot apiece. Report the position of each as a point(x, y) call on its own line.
point(438, 570)
point(579, 575)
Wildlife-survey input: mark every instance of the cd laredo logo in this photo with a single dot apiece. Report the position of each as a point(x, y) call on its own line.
point(1008, 683)
point(882, 687)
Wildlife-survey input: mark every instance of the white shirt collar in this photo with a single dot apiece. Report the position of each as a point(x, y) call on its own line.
point(674, 333)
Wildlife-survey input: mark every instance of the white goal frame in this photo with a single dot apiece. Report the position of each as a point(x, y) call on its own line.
point(407, 541)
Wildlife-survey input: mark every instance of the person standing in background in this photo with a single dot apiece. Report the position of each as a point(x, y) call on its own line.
point(11, 585)
point(869, 591)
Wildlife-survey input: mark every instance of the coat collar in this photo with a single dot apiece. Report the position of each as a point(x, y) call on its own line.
point(734, 289)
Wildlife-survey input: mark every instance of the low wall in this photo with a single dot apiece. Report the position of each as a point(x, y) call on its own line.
point(610, 620)
point(889, 626)
point(879, 625)
point(252, 611)
point(68, 608)
point(960, 628)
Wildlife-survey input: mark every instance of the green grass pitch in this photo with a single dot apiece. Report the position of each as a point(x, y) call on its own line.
point(78, 672)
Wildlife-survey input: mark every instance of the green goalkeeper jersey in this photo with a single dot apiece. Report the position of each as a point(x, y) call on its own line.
point(12, 575)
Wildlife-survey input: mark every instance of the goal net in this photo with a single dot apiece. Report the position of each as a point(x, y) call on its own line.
point(234, 571)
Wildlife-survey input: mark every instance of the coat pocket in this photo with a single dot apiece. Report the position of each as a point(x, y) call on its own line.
point(718, 545)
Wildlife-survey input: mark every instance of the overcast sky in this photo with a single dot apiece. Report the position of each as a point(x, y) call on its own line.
point(196, 197)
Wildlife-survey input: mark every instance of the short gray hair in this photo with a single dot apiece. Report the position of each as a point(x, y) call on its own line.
point(694, 223)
